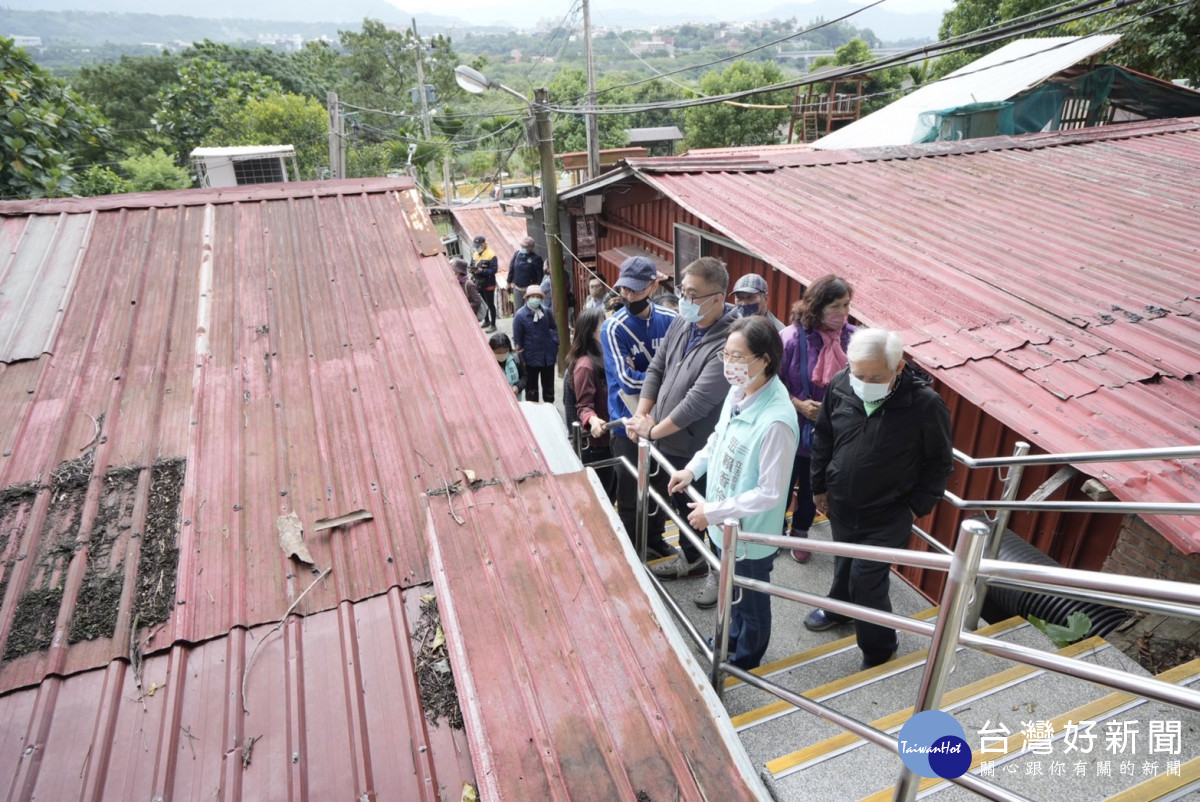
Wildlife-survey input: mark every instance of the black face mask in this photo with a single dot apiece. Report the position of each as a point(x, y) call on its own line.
point(637, 307)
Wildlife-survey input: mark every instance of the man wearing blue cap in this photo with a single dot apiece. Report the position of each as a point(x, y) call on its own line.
point(629, 339)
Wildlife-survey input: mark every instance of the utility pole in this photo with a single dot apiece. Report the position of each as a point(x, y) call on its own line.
point(337, 137)
point(420, 50)
point(589, 114)
point(554, 254)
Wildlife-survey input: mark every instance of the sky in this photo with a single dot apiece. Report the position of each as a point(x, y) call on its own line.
point(606, 12)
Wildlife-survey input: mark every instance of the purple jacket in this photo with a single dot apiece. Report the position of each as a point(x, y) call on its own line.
point(789, 372)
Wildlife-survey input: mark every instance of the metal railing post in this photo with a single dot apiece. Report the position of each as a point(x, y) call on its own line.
point(577, 439)
point(964, 569)
point(729, 539)
point(999, 524)
point(643, 498)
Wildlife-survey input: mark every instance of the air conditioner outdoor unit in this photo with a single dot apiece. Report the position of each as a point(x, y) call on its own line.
point(249, 164)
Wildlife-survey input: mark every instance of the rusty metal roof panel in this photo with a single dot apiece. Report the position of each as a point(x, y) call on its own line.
point(230, 368)
point(1039, 266)
point(504, 232)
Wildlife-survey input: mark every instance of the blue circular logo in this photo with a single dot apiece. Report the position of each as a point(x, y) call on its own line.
point(933, 744)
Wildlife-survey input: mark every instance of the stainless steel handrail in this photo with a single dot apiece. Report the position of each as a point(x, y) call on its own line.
point(969, 574)
point(1081, 457)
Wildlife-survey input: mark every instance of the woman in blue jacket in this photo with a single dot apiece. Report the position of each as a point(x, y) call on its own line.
point(750, 453)
point(536, 339)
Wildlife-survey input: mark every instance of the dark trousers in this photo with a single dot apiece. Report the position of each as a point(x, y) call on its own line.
point(750, 622)
point(627, 496)
point(489, 303)
point(803, 509)
point(866, 582)
point(534, 374)
point(680, 502)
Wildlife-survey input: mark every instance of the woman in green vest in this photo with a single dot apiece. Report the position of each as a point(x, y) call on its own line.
point(750, 453)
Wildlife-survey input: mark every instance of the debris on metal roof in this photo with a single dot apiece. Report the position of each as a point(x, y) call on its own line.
point(228, 358)
point(1049, 279)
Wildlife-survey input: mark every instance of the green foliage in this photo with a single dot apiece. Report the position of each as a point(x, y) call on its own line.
point(1164, 45)
point(879, 83)
point(724, 125)
point(152, 171)
point(379, 67)
point(126, 92)
point(1078, 624)
point(45, 129)
point(100, 180)
point(570, 135)
point(373, 159)
point(186, 109)
point(277, 119)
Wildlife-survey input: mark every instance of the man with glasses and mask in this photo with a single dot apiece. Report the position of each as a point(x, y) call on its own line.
point(880, 458)
point(630, 337)
point(682, 396)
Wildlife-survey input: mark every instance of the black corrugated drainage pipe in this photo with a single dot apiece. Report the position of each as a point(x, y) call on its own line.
point(1048, 607)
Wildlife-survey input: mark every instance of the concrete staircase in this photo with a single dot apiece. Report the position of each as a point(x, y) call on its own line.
point(803, 757)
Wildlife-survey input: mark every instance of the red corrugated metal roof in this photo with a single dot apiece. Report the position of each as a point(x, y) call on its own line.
point(1050, 279)
point(228, 359)
point(504, 232)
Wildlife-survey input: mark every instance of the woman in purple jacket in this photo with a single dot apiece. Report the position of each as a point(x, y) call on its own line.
point(814, 350)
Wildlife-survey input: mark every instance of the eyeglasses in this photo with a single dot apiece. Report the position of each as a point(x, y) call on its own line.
point(688, 295)
point(725, 356)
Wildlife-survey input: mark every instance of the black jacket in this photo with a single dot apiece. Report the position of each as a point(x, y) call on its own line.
point(872, 467)
point(525, 269)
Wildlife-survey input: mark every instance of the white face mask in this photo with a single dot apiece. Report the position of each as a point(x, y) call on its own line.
point(869, 391)
point(738, 375)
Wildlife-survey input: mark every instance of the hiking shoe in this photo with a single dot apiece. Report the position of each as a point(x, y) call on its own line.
point(819, 621)
point(800, 555)
point(680, 568)
point(872, 663)
point(707, 597)
point(660, 551)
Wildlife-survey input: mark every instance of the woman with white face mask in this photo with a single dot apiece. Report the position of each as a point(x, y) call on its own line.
point(814, 350)
point(750, 453)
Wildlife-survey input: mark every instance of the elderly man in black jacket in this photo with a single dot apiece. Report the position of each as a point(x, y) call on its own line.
point(880, 459)
point(525, 268)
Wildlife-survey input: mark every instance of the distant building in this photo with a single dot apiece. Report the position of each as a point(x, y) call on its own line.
point(25, 41)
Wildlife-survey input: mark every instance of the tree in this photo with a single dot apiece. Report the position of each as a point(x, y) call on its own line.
point(570, 135)
point(380, 67)
point(100, 180)
point(880, 84)
point(152, 171)
point(126, 92)
point(186, 110)
point(723, 125)
point(277, 119)
point(46, 130)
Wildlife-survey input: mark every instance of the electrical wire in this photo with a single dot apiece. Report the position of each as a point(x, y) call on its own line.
point(1079, 12)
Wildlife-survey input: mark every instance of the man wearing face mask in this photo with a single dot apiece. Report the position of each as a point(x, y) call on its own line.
point(630, 337)
point(750, 297)
point(525, 268)
point(684, 389)
point(880, 458)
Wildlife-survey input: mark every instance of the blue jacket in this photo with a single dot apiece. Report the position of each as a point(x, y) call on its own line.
point(622, 336)
point(525, 269)
point(537, 341)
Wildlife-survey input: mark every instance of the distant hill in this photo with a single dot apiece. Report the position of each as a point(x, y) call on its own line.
point(344, 11)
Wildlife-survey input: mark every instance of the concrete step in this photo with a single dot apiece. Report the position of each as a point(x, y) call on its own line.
point(1182, 785)
point(1030, 774)
point(782, 744)
point(852, 771)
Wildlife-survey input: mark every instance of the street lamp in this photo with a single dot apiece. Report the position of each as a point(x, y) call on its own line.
point(475, 82)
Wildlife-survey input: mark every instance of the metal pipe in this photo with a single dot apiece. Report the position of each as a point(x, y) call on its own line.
point(643, 498)
point(972, 539)
point(1149, 507)
point(1012, 483)
point(685, 529)
point(868, 614)
point(1157, 590)
point(1078, 457)
point(688, 627)
point(939, 546)
point(864, 731)
point(916, 559)
point(729, 535)
point(1111, 599)
point(577, 439)
point(1146, 687)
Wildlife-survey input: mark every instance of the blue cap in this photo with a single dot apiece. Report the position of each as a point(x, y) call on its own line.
point(637, 273)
